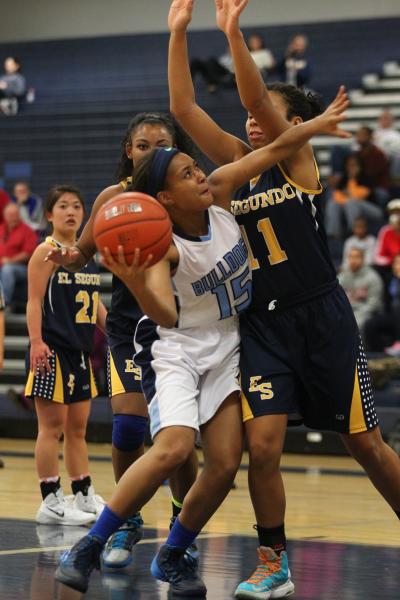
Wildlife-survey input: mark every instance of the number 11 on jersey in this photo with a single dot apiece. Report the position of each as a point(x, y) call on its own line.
point(275, 255)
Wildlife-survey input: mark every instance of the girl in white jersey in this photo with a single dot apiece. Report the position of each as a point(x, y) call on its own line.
point(188, 348)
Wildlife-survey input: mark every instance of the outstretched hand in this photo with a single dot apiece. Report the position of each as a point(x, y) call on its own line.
point(63, 256)
point(180, 15)
point(228, 13)
point(133, 273)
point(330, 119)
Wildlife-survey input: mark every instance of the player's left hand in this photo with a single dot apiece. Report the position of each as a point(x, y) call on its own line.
point(228, 13)
point(330, 119)
point(135, 272)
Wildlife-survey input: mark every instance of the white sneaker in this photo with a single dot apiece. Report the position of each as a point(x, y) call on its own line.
point(55, 510)
point(92, 503)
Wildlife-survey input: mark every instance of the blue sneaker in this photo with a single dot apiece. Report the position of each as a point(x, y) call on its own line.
point(77, 564)
point(192, 553)
point(171, 565)
point(118, 551)
point(271, 579)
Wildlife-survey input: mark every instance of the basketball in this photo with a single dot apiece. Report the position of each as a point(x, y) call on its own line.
point(133, 220)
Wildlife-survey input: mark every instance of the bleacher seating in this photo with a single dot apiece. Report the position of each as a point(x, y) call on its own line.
point(87, 89)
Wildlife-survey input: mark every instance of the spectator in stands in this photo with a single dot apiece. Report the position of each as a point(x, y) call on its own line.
point(295, 66)
point(388, 244)
point(17, 243)
point(363, 286)
point(375, 165)
point(216, 72)
point(30, 206)
point(261, 55)
point(351, 200)
point(4, 200)
point(383, 330)
point(12, 86)
point(360, 239)
point(387, 138)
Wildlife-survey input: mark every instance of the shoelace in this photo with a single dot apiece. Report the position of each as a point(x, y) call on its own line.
point(180, 569)
point(122, 538)
point(264, 569)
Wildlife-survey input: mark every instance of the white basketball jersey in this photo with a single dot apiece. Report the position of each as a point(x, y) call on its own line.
point(213, 278)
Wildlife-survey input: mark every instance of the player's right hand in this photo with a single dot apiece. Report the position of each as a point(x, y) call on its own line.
point(135, 272)
point(180, 15)
point(39, 357)
point(63, 256)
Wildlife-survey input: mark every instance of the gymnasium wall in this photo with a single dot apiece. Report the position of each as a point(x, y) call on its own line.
point(57, 19)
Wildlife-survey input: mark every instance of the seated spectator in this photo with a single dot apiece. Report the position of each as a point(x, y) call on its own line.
point(388, 244)
point(387, 138)
point(362, 240)
point(216, 72)
point(263, 57)
point(30, 206)
point(383, 330)
point(12, 86)
point(375, 165)
point(295, 66)
point(350, 201)
point(4, 200)
point(363, 286)
point(17, 243)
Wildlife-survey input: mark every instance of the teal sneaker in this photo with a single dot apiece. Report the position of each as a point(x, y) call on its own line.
point(271, 579)
point(117, 553)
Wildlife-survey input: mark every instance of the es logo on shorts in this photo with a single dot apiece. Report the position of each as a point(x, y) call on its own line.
point(71, 383)
point(264, 389)
point(130, 367)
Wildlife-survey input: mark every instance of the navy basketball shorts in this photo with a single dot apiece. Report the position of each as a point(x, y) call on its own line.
point(123, 376)
point(307, 360)
point(71, 378)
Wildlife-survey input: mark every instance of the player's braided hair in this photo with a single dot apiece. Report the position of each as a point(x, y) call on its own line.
point(300, 103)
point(180, 139)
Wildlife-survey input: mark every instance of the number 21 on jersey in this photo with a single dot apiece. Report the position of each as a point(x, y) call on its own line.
point(276, 254)
point(83, 316)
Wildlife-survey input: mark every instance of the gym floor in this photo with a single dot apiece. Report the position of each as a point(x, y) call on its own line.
point(343, 538)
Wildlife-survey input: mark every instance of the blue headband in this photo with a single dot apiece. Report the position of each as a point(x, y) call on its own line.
point(158, 170)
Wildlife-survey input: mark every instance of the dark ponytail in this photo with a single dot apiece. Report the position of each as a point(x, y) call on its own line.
point(306, 105)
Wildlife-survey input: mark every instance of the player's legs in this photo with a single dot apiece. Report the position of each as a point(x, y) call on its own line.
point(75, 448)
point(52, 418)
point(265, 436)
point(76, 459)
point(128, 433)
point(380, 462)
point(222, 438)
point(51, 422)
point(222, 441)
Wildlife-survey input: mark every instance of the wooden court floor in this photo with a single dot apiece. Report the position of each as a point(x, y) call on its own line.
point(344, 541)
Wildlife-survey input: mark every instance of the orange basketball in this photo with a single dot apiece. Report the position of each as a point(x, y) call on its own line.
point(133, 220)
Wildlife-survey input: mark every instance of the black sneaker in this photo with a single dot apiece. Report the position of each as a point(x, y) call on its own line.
point(192, 553)
point(170, 565)
point(77, 564)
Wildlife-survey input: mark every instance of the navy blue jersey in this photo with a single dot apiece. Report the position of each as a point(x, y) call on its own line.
point(124, 311)
point(69, 309)
point(283, 228)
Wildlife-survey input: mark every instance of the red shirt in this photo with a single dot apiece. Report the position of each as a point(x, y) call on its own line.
point(388, 246)
point(20, 239)
point(4, 200)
